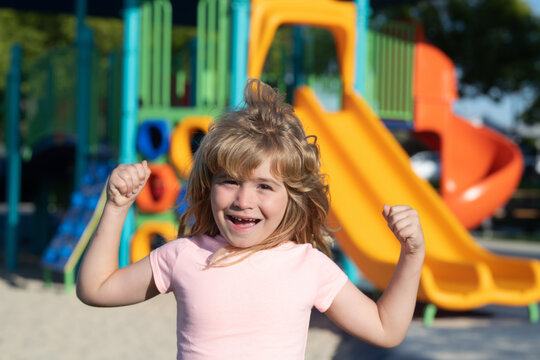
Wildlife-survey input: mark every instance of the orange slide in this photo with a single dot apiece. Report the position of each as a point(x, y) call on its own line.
point(481, 168)
point(367, 168)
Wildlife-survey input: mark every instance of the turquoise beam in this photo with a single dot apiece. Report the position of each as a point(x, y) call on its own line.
point(363, 13)
point(13, 185)
point(128, 126)
point(351, 270)
point(239, 49)
point(84, 54)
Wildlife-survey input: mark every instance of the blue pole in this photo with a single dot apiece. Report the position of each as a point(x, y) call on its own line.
point(239, 49)
point(362, 11)
point(13, 185)
point(130, 95)
point(84, 53)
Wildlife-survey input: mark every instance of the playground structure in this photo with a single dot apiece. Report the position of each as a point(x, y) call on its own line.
point(402, 78)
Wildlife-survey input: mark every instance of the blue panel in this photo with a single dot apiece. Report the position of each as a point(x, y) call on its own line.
point(153, 138)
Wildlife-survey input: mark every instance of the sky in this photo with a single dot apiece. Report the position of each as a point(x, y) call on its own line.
point(502, 113)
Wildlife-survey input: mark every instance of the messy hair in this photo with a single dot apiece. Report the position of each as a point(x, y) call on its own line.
point(265, 127)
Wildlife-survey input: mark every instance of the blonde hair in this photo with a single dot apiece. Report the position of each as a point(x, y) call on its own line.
point(237, 143)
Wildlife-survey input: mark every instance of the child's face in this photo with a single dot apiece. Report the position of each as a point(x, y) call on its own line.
point(247, 211)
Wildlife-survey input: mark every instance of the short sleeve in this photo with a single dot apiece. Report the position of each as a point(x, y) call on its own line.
point(331, 280)
point(162, 260)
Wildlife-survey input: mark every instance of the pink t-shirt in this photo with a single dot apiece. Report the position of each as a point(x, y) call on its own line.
point(258, 308)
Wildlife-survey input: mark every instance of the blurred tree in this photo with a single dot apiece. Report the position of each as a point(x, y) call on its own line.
point(39, 33)
point(495, 44)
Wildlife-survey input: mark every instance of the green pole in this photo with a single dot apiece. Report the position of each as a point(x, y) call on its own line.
point(223, 53)
point(13, 185)
point(201, 52)
point(211, 44)
point(167, 48)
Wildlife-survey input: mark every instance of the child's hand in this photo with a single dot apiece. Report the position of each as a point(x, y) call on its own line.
point(125, 183)
point(405, 224)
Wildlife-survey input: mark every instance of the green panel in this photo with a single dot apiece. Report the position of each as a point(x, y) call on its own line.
point(175, 114)
point(213, 52)
point(168, 216)
point(155, 53)
point(145, 52)
point(390, 62)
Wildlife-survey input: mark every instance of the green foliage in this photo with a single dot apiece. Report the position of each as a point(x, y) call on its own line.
point(35, 32)
point(495, 44)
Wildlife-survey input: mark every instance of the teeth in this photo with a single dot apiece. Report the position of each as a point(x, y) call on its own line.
point(243, 220)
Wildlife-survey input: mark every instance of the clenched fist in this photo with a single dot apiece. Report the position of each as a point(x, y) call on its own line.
point(125, 183)
point(405, 224)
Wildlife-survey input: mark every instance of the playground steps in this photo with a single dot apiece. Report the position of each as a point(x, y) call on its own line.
point(77, 226)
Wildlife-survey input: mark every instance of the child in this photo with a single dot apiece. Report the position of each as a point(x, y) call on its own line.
point(245, 270)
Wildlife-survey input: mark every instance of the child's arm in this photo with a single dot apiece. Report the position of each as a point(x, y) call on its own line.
point(386, 322)
point(101, 282)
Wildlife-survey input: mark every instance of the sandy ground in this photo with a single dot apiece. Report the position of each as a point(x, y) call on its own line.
point(45, 323)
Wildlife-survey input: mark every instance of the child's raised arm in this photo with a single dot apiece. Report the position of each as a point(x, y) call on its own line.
point(386, 322)
point(101, 282)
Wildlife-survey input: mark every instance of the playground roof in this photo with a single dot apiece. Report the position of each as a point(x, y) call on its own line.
point(113, 8)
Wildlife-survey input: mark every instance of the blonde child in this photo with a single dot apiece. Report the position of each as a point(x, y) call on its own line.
point(245, 269)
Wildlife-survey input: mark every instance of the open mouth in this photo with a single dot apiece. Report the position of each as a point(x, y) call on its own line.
point(243, 221)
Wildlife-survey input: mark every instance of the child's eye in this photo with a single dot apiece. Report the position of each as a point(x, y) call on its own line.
point(230, 182)
point(265, 187)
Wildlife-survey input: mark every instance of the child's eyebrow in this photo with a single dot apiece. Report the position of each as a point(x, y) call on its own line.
point(221, 175)
point(268, 180)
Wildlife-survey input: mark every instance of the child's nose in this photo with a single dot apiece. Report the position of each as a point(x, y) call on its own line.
point(244, 198)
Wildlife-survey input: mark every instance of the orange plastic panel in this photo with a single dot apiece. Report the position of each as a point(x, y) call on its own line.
point(161, 191)
point(338, 17)
point(141, 242)
point(180, 153)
